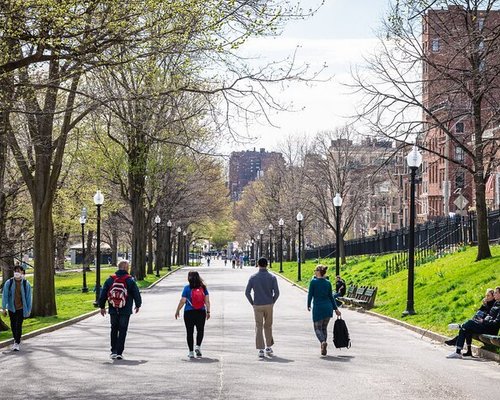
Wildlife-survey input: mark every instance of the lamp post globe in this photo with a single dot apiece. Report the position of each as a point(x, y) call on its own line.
point(414, 160)
point(299, 218)
point(337, 202)
point(281, 223)
point(98, 201)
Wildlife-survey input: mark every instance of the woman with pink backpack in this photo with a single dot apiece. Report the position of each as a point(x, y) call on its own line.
point(196, 303)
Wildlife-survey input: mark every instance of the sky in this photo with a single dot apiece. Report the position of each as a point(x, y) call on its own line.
point(338, 35)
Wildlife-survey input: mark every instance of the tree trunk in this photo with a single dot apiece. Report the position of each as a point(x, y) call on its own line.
point(161, 248)
point(483, 246)
point(292, 245)
point(61, 243)
point(44, 300)
point(114, 248)
point(150, 252)
point(89, 250)
point(342, 250)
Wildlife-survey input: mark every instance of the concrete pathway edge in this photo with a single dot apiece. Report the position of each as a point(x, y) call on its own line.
point(478, 351)
point(74, 320)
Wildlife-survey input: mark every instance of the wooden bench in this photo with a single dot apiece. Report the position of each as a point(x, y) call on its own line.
point(367, 300)
point(355, 295)
point(351, 291)
point(362, 296)
point(491, 340)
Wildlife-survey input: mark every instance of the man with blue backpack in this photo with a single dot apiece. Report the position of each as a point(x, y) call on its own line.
point(120, 291)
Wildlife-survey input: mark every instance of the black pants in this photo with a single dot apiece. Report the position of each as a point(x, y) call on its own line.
point(194, 318)
point(119, 326)
point(16, 324)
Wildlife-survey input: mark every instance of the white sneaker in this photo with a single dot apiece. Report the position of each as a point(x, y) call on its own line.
point(191, 354)
point(15, 347)
point(454, 327)
point(261, 353)
point(112, 356)
point(197, 351)
point(269, 351)
point(119, 357)
point(454, 355)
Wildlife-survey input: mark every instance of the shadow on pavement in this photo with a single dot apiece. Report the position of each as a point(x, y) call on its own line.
point(337, 358)
point(203, 360)
point(277, 359)
point(126, 362)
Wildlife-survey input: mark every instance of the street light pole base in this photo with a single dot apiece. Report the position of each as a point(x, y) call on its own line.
point(85, 290)
point(157, 275)
point(408, 312)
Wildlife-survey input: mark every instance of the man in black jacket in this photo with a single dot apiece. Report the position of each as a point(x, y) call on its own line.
point(120, 290)
point(487, 325)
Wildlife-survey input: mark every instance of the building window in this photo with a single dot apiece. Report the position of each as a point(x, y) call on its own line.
point(459, 154)
point(460, 180)
point(459, 127)
point(435, 45)
point(394, 218)
point(480, 23)
point(482, 66)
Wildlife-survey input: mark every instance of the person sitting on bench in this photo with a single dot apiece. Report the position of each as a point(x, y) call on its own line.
point(488, 301)
point(487, 325)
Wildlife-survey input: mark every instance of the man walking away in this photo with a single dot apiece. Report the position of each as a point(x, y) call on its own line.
point(265, 293)
point(120, 290)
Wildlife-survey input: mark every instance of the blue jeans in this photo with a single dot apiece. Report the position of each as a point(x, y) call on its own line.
point(119, 326)
point(467, 330)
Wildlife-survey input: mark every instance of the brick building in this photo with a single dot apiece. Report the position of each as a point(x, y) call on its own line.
point(456, 56)
point(247, 166)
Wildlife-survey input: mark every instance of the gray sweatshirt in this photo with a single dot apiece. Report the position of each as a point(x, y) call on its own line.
point(265, 288)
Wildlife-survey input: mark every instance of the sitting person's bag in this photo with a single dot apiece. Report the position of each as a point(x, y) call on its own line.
point(341, 334)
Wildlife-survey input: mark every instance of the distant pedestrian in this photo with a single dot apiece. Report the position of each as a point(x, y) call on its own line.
point(120, 291)
point(242, 261)
point(196, 302)
point(323, 304)
point(225, 261)
point(16, 299)
point(208, 261)
point(233, 261)
point(265, 293)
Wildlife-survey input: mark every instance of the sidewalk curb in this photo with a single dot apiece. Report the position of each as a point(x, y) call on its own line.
point(74, 320)
point(478, 351)
point(51, 328)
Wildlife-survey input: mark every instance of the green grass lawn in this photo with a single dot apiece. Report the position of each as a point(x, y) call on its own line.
point(447, 290)
point(71, 302)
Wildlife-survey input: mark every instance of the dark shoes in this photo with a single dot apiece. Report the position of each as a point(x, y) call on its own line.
point(451, 342)
point(323, 348)
point(468, 353)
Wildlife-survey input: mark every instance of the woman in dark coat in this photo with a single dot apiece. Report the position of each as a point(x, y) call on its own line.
point(323, 304)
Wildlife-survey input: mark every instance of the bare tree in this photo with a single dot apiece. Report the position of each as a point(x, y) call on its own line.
point(458, 56)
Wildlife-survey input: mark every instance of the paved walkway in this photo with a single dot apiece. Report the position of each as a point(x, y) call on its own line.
point(385, 361)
